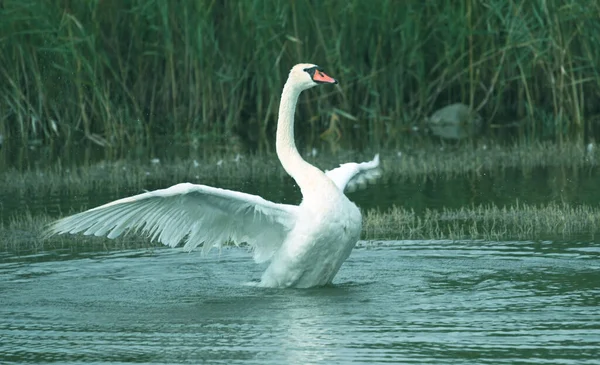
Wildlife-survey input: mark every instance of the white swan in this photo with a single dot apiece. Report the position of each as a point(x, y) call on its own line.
point(305, 244)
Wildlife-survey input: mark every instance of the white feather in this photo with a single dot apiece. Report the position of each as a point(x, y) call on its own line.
point(352, 175)
point(193, 214)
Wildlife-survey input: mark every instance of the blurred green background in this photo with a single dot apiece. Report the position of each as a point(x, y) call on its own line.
point(124, 73)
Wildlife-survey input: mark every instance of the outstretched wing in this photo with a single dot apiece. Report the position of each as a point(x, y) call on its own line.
point(350, 176)
point(194, 214)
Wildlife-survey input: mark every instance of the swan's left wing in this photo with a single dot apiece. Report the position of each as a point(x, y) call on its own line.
point(194, 214)
point(351, 176)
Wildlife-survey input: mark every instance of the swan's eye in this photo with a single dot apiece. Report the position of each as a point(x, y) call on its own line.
point(310, 71)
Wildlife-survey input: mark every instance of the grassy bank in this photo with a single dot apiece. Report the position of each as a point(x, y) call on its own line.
point(515, 222)
point(397, 165)
point(24, 234)
point(123, 72)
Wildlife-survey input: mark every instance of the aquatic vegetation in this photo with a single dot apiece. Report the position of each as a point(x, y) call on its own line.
point(400, 165)
point(123, 72)
point(26, 233)
point(135, 175)
point(20, 229)
point(488, 222)
point(448, 161)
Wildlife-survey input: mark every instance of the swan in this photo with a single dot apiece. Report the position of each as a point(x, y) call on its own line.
point(304, 245)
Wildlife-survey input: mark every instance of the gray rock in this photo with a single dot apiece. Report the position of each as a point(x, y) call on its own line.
point(455, 121)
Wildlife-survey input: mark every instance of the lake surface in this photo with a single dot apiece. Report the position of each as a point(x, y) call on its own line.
point(425, 302)
point(407, 302)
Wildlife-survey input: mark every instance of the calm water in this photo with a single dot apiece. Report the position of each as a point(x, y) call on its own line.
point(428, 302)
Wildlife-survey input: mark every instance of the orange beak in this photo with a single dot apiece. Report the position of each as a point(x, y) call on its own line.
point(320, 76)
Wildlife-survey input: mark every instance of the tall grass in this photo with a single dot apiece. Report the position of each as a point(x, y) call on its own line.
point(488, 222)
point(124, 72)
point(25, 233)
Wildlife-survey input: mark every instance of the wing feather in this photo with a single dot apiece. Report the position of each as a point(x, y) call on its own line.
point(352, 175)
point(193, 214)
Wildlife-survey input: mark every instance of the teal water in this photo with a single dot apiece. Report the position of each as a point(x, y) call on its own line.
point(405, 302)
point(410, 302)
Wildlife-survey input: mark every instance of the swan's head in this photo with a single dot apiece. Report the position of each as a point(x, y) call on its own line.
point(306, 75)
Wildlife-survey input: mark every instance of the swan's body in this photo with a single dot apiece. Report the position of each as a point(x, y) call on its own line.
point(305, 244)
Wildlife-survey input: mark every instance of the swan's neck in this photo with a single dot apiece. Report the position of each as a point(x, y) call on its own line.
point(305, 174)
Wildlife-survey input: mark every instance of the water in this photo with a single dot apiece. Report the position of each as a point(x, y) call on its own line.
point(428, 302)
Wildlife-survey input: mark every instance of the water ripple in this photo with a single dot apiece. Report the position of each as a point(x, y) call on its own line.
point(417, 302)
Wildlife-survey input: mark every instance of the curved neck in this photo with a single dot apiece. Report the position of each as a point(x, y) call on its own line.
point(301, 171)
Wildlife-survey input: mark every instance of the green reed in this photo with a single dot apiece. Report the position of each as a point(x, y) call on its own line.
point(488, 222)
point(124, 72)
point(26, 233)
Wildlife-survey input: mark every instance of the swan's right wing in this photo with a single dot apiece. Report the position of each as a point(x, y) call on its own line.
point(350, 176)
point(194, 214)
